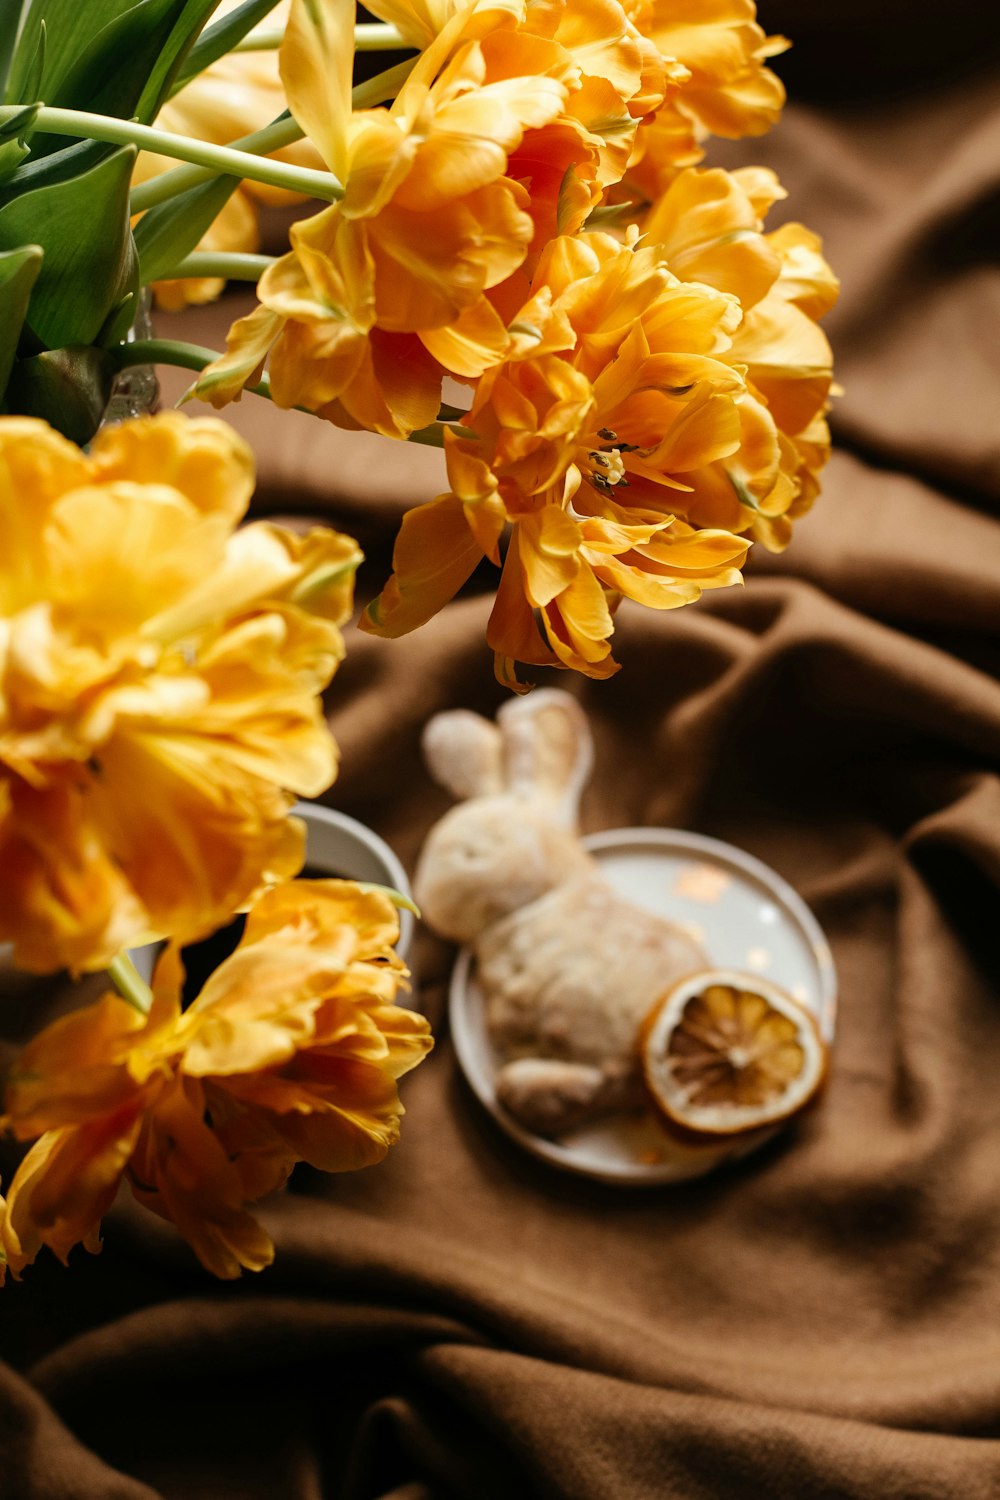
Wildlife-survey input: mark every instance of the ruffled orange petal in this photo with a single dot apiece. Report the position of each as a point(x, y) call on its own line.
point(65, 900)
point(205, 461)
point(396, 390)
point(435, 553)
point(428, 267)
point(512, 632)
point(806, 279)
point(181, 1171)
point(579, 626)
point(474, 127)
point(469, 345)
point(333, 1113)
point(35, 461)
point(711, 234)
point(321, 911)
point(789, 360)
point(248, 344)
point(549, 548)
point(195, 840)
point(92, 1062)
point(730, 92)
point(105, 531)
point(64, 1187)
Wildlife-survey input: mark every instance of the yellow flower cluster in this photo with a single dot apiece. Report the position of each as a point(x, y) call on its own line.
point(647, 387)
point(290, 1053)
point(648, 381)
point(159, 682)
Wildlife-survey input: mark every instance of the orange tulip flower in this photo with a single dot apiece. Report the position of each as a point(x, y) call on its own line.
point(385, 292)
point(290, 1053)
point(160, 675)
point(722, 85)
point(618, 391)
point(710, 227)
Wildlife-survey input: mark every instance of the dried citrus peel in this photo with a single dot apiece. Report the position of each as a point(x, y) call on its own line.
point(725, 1053)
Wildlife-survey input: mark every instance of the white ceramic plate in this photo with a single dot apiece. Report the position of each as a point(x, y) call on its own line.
point(744, 915)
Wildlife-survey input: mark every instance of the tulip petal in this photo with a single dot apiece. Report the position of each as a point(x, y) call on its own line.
point(205, 461)
point(64, 1186)
point(247, 346)
point(316, 61)
point(435, 553)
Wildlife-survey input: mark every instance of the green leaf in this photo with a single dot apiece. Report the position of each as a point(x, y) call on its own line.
point(124, 67)
point(19, 124)
point(18, 273)
point(27, 67)
point(120, 319)
point(59, 167)
point(12, 154)
point(70, 26)
point(109, 71)
point(165, 234)
point(13, 149)
point(112, 56)
point(188, 23)
point(90, 265)
point(68, 388)
point(11, 15)
point(610, 215)
point(221, 37)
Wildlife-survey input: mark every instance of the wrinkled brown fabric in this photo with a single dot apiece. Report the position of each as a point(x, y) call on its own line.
point(824, 1319)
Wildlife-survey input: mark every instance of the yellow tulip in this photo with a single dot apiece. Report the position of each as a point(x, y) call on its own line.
point(384, 293)
point(159, 685)
point(290, 1053)
point(618, 391)
point(721, 85)
point(710, 226)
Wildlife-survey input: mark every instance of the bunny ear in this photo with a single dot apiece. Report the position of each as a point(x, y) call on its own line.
point(464, 754)
point(548, 748)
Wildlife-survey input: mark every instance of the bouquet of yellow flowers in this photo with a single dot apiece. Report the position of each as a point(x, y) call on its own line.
point(517, 258)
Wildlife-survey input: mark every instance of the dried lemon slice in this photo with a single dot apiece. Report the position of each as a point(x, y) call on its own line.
point(724, 1053)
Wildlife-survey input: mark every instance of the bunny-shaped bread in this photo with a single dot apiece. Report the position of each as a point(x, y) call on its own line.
point(568, 967)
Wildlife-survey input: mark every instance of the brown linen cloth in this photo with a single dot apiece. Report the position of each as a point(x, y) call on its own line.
point(824, 1319)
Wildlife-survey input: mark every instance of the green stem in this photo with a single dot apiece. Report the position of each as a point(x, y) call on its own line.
point(221, 161)
point(281, 132)
point(130, 984)
point(162, 352)
point(383, 86)
point(261, 41)
point(181, 356)
point(231, 267)
point(433, 436)
point(371, 37)
point(367, 38)
point(284, 131)
point(196, 357)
